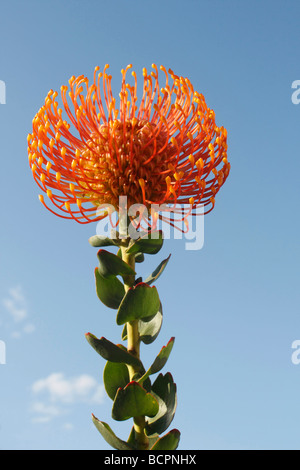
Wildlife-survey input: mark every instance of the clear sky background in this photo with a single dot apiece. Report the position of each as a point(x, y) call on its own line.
point(233, 306)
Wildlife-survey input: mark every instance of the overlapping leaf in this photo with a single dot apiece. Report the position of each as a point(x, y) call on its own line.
point(112, 352)
point(132, 401)
point(100, 240)
point(110, 436)
point(157, 272)
point(110, 290)
point(165, 389)
point(149, 243)
point(168, 442)
point(141, 301)
point(148, 330)
point(115, 376)
point(112, 265)
point(159, 361)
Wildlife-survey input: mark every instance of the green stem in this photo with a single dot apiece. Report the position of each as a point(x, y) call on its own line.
point(133, 346)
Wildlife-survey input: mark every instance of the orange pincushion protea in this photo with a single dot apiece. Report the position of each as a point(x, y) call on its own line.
point(168, 151)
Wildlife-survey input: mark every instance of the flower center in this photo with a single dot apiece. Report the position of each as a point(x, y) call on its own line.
point(118, 156)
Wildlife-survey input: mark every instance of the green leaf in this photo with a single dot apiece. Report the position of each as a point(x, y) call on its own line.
point(112, 352)
point(149, 243)
point(165, 390)
point(100, 240)
point(112, 265)
point(115, 375)
point(162, 357)
point(140, 301)
point(148, 330)
point(168, 442)
point(132, 401)
point(139, 257)
point(159, 361)
point(158, 271)
point(109, 290)
point(110, 436)
point(131, 439)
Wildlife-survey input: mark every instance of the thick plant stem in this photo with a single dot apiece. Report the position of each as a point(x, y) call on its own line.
point(133, 339)
point(133, 346)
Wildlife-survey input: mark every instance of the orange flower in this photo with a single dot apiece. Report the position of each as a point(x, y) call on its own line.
point(166, 151)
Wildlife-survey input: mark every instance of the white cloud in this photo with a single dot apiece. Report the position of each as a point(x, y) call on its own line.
point(16, 334)
point(68, 426)
point(16, 306)
point(59, 393)
point(29, 328)
point(60, 388)
point(44, 413)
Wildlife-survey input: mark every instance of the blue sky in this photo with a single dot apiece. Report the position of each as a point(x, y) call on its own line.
point(233, 306)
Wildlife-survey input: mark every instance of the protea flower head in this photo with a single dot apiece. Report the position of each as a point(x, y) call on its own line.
point(167, 151)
